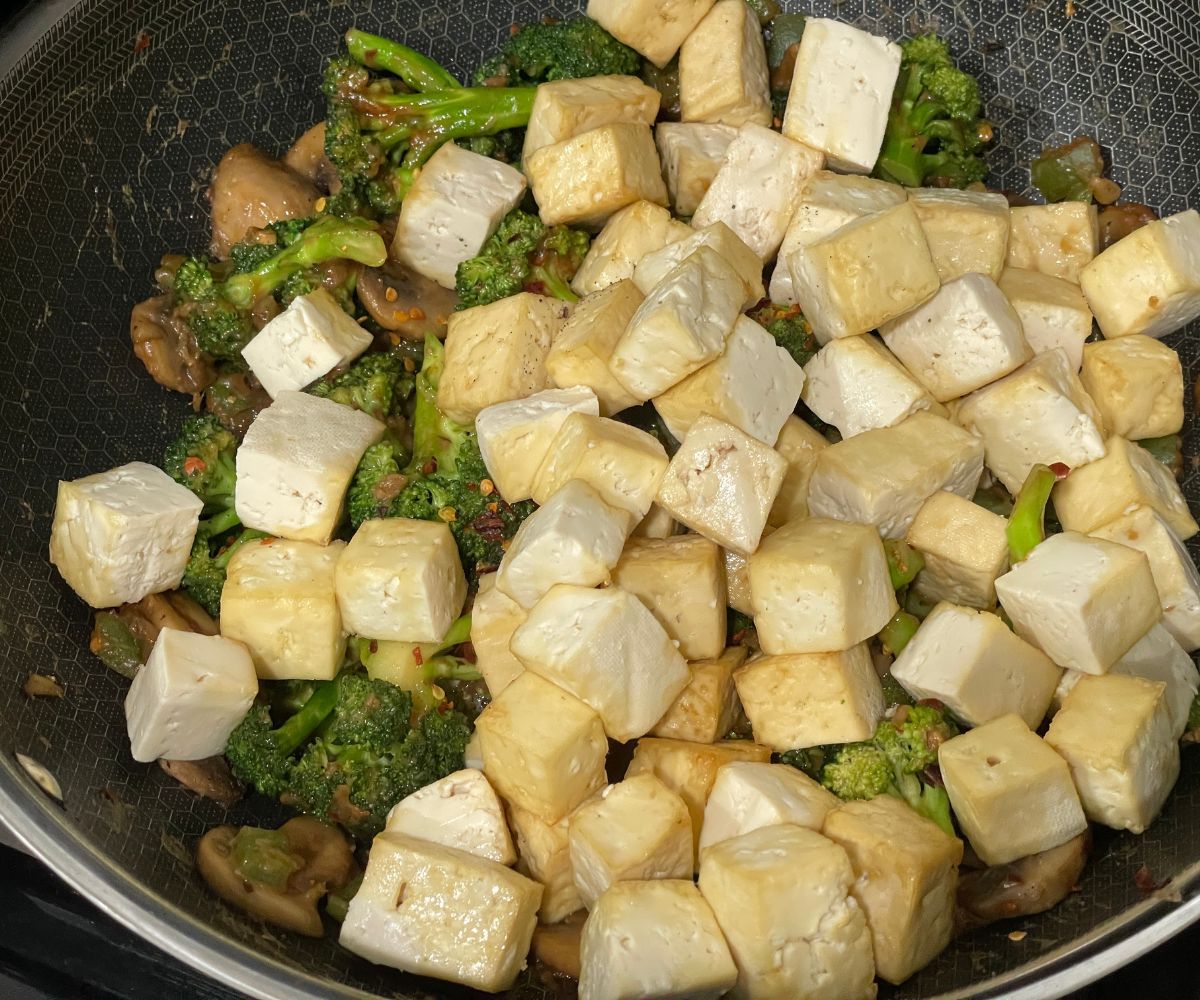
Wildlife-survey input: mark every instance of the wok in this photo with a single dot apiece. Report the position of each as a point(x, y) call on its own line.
point(113, 113)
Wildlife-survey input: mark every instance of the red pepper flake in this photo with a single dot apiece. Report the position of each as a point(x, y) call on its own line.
point(1145, 881)
point(142, 42)
point(418, 656)
point(1060, 470)
point(192, 465)
point(374, 646)
point(416, 312)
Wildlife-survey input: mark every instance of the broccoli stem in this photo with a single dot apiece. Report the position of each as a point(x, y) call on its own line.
point(904, 562)
point(554, 285)
point(249, 535)
point(305, 722)
point(431, 118)
point(897, 633)
point(226, 520)
point(1026, 524)
point(417, 70)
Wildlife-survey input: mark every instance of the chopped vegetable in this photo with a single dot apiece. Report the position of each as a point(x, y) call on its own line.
point(1026, 524)
point(1069, 172)
point(904, 562)
point(789, 328)
point(563, 50)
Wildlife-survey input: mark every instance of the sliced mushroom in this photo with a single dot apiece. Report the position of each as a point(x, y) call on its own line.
point(250, 189)
point(235, 400)
point(1118, 221)
point(307, 158)
point(405, 302)
point(167, 348)
point(210, 778)
point(556, 946)
point(173, 609)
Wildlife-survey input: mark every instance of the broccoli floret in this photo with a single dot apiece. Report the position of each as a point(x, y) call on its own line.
point(377, 384)
point(911, 737)
point(857, 771)
point(202, 458)
point(213, 547)
point(789, 328)
point(252, 254)
point(522, 255)
point(563, 50)
point(369, 712)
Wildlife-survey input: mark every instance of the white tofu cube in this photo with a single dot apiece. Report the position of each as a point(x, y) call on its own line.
point(882, 477)
point(1040, 414)
point(723, 73)
point(782, 898)
point(436, 911)
point(295, 465)
point(971, 662)
point(460, 810)
point(827, 203)
point(965, 548)
point(1011, 792)
point(818, 584)
point(798, 444)
point(654, 939)
point(1059, 240)
point(400, 579)
point(758, 187)
point(279, 599)
point(307, 340)
point(722, 484)
point(1175, 575)
point(563, 109)
point(1150, 284)
point(1083, 601)
point(190, 695)
point(543, 749)
point(607, 649)
point(810, 699)
point(748, 796)
point(863, 274)
point(682, 581)
point(514, 437)
point(657, 264)
point(630, 234)
point(691, 154)
point(1115, 734)
point(494, 618)
point(841, 92)
point(967, 230)
point(1053, 312)
point(635, 829)
point(737, 579)
point(497, 352)
point(120, 535)
point(963, 338)
point(707, 708)
point(574, 537)
point(907, 877)
point(1137, 385)
point(543, 853)
point(1126, 476)
point(681, 326)
point(656, 28)
point(583, 180)
point(754, 385)
point(857, 385)
point(452, 208)
point(657, 523)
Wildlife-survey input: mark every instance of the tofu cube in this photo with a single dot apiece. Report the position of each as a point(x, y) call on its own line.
point(1053, 312)
point(543, 749)
point(494, 618)
point(1150, 284)
point(190, 695)
point(681, 326)
point(758, 187)
point(863, 274)
point(748, 796)
point(120, 535)
point(1083, 601)
point(635, 829)
point(657, 264)
point(656, 524)
point(627, 237)
point(400, 579)
point(454, 205)
point(722, 484)
point(827, 202)
point(514, 437)
point(280, 600)
point(1040, 414)
point(436, 911)
point(810, 699)
point(583, 180)
point(623, 464)
point(971, 662)
point(307, 340)
point(782, 898)
point(1011, 792)
point(563, 109)
point(656, 28)
point(1058, 240)
point(1175, 576)
point(857, 385)
point(882, 477)
point(723, 73)
point(754, 385)
point(1137, 385)
point(295, 465)
point(962, 339)
point(1126, 476)
point(906, 872)
point(580, 353)
point(654, 939)
point(1116, 736)
point(544, 854)
point(691, 154)
point(818, 585)
point(496, 353)
point(707, 708)
point(682, 581)
point(737, 579)
point(799, 445)
point(965, 548)
point(967, 231)
point(461, 810)
point(606, 648)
